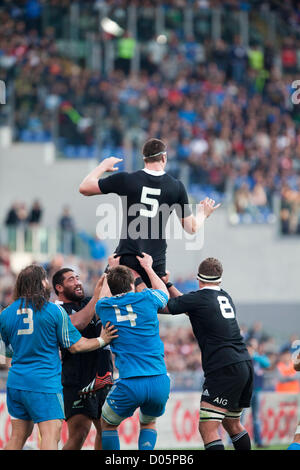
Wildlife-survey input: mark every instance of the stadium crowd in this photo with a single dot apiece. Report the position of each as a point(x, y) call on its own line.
point(224, 109)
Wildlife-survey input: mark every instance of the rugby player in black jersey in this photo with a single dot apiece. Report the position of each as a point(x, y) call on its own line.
point(148, 198)
point(90, 371)
point(227, 365)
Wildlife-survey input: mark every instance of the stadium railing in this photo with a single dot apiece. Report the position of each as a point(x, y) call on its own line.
point(43, 242)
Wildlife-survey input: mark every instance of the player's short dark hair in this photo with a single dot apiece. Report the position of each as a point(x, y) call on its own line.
point(120, 280)
point(210, 270)
point(29, 287)
point(58, 278)
point(153, 150)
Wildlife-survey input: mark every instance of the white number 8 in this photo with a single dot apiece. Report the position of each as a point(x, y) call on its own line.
point(225, 307)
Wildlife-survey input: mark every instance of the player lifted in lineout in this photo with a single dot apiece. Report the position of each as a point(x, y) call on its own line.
point(153, 195)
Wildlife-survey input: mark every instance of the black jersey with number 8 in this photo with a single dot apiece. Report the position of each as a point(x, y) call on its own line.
point(213, 318)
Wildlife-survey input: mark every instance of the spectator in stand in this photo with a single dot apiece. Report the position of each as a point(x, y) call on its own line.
point(12, 218)
point(67, 228)
point(22, 215)
point(238, 60)
point(289, 56)
point(260, 363)
point(256, 331)
point(96, 246)
point(126, 52)
point(33, 10)
point(35, 214)
point(271, 374)
point(288, 377)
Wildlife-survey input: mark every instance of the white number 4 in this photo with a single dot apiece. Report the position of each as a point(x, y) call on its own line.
point(28, 319)
point(131, 315)
point(225, 306)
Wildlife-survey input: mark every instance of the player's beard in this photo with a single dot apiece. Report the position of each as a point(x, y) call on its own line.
point(72, 295)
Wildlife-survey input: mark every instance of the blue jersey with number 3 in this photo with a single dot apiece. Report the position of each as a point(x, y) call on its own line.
point(35, 337)
point(138, 349)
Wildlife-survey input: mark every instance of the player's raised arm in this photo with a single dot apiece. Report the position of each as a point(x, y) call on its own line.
point(83, 317)
point(156, 281)
point(90, 184)
point(192, 223)
point(91, 344)
point(173, 291)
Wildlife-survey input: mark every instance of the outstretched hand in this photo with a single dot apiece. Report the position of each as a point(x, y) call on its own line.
point(109, 163)
point(146, 262)
point(109, 333)
point(207, 206)
point(113, 261)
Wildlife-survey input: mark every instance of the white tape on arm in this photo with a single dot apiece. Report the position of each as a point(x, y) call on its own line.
point(101, 342)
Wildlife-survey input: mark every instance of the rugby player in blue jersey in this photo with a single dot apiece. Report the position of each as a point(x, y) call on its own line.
point(35, 328)
point(139, 353)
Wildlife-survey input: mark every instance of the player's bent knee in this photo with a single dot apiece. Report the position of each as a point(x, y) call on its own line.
point(145, 419)
point(109, 417)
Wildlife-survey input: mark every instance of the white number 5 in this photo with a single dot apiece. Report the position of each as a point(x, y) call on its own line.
point(225, 306)
point(150, 201)
point(28, 319)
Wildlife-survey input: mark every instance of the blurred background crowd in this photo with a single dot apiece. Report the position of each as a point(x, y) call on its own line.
point(214, 79)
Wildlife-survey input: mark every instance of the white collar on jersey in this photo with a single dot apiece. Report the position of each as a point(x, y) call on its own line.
point(211, 287)
point(154, 172)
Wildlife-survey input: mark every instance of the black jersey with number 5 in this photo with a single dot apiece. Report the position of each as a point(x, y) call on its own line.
point(213, 318)
point(148, 198)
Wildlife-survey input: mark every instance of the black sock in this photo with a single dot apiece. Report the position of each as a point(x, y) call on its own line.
point(214, 445)
point(241, 441)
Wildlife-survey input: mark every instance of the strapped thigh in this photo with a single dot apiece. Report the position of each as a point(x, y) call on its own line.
point(145, 419)
point(233, 414)
point(210, 414)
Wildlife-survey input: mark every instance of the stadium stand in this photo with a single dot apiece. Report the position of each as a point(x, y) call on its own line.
point(214, 79)
point(223, 103)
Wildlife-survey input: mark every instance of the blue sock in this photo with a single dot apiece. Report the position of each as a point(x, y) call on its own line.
point(294, 446)
point(147, 439)
point(110, 440)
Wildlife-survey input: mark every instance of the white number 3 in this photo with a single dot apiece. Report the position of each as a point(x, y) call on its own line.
point(225, 306)
point(28, 319)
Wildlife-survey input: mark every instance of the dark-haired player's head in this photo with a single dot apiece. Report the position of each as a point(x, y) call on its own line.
point(32, 285)
point(155, 150)
point(67, 285)
point(210, 272)
point(120, 280)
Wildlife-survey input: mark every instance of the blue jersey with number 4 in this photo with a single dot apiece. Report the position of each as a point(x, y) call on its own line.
point(138, 349)
point(35, 337)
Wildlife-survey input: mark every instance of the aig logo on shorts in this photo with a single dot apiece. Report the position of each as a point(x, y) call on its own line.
point(221, 401)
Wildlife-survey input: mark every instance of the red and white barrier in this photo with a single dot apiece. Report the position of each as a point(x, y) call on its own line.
point(178, 427)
